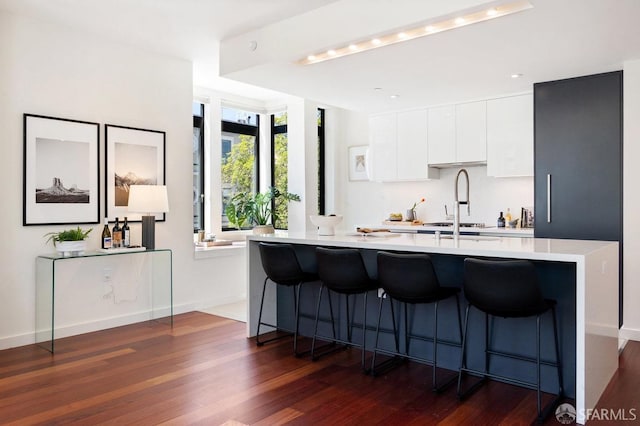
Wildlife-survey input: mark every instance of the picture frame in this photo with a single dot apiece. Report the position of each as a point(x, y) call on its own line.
point(133, 156)
point(61, 171)
point(358, 163)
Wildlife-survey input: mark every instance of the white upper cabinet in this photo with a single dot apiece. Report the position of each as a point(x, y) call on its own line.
point(442, 135)
point(471, 132)
point(398, 147)
point(412, 145)
point(382, 148)
point(510, 136)
point(457, 133)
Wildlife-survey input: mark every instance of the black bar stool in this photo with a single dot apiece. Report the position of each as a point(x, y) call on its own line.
point(410, 279)
point(342, 271)
point(281, 265)
point(508, 289)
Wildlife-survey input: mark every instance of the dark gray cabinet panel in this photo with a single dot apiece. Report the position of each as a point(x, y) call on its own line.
point(578, 143)
point(578, 160)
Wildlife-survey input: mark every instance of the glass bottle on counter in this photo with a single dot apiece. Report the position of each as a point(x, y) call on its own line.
point(117, 235)
point(501, 221)
point(126, 233)
point(106, 235)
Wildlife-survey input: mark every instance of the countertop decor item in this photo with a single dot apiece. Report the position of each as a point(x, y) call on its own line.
point(70, 242)
point(326, 224)
point(411, 213)
point(246, 209)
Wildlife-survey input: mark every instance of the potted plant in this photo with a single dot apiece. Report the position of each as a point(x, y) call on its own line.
point(70, 242)
point(247, 209)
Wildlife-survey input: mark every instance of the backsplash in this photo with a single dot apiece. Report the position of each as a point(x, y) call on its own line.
point(371, 202)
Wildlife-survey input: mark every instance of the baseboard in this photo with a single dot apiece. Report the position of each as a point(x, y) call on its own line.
point(96, 325)
point(221, 301)
point(630, 334)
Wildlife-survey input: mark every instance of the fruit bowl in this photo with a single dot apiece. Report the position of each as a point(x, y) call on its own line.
point(326, 224)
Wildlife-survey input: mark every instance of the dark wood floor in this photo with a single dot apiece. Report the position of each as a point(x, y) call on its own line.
point(204, 371)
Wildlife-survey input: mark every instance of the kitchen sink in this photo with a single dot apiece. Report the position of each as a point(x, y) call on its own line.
point(462, 224)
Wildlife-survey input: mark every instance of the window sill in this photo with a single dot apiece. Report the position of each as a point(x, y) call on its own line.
point(237, 248)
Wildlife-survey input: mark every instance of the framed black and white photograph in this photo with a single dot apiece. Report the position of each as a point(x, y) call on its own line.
point(61, 171)
point(133, 157)
point(358, 162)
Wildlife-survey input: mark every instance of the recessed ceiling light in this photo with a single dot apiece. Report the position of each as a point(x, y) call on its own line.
point(424, 29)
point(377, 88)
point(394, 96)
point(516, 75)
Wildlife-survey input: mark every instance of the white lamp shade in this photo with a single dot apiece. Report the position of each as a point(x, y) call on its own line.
point(148, 199)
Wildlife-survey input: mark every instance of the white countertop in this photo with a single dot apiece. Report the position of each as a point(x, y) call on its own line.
point(489, 246)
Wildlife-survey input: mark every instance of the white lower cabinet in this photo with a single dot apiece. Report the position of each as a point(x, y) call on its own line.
point(510, 136)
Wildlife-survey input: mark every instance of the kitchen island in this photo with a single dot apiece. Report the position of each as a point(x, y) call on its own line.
point(581, 275)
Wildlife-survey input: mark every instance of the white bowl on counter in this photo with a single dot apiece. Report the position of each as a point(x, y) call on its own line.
point(326, 224)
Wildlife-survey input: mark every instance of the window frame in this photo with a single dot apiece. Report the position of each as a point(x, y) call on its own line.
point(321, 163)
point(241, 129)
point(275, 130)
point(199, 122)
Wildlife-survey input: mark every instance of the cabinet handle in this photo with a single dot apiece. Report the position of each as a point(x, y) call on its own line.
point(548, 198)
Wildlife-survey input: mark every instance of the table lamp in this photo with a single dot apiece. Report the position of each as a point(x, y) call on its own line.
point(149, 200)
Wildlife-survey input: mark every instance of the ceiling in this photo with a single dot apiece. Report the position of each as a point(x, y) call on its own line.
point(554, 39)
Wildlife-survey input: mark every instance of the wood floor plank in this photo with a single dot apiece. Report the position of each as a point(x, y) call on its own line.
point(203, 371)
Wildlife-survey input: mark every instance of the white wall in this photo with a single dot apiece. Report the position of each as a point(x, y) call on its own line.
point(54, 71)
point(631, 253)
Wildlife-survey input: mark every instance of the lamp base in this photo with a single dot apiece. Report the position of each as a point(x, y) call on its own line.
point(149, 232)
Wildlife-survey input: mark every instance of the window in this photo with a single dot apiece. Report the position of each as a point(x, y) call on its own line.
point(240, 142)
point(198, 166)
point(321, 162)
point(279, 170)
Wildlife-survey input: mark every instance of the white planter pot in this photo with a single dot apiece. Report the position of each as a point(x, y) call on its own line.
point(71, 248)
point(263, 229)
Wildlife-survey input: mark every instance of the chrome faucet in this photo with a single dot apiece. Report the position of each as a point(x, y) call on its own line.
point(456, 207)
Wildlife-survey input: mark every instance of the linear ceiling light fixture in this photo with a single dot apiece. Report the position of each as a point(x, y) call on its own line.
point(425, 29)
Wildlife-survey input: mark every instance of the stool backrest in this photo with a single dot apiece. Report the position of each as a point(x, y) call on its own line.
point(507, 288)
point(407, 276)
point(342, 270)
point(280, 263)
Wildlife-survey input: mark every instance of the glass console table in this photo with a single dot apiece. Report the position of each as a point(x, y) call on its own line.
point(156, 265)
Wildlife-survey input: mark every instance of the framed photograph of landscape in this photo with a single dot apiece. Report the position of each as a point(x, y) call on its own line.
point(61, 171)
point(133, 157)
point(358, 162)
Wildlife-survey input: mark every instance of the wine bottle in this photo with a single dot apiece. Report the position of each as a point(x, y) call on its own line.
point(106, 235)
point(126, 233)
point(117, 234)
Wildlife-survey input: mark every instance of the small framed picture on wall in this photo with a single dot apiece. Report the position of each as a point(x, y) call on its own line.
point(358, 163)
